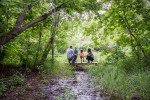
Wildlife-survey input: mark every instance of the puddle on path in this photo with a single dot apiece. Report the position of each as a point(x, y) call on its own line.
point(78, 87)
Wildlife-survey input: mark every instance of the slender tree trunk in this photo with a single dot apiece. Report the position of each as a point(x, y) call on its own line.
point(132, 35)
point(50, 44)
point(133, 48)
point(55, 23)
point(27, 49)
point(38, 49)
point(46, 51)
point(7, 17)
point(52, 38)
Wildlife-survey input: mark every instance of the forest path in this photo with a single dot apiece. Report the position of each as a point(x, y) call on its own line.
point(78, 87)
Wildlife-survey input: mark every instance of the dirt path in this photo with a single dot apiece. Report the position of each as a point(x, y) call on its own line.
point(78, 87)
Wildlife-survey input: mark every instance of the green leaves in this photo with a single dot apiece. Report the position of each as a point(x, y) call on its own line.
point(2, 87)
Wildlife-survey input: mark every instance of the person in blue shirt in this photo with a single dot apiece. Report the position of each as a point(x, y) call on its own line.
point(75, 54)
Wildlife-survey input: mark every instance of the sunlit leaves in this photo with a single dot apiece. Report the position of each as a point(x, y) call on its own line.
point(101, 20)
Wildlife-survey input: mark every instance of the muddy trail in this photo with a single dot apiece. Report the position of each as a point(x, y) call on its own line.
point(78, 87)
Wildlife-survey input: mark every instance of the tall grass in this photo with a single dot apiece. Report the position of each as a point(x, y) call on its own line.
point(118, 82)
point(59, 68)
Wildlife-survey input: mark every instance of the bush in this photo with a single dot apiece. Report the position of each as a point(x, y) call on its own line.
point(2, 87)
point(15, 80)
point(11, 81)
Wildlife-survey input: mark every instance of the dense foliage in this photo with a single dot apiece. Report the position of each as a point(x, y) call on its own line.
point(34, 32)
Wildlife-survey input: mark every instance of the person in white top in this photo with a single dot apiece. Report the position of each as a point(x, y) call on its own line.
point(70, 54)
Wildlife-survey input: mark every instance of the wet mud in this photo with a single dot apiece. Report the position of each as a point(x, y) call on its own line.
point(78, 87)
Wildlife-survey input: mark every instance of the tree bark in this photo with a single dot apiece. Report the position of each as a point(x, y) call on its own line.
point(45, 53)
point(50, 44)
point(132, 35)
point(133, 48)
point(38, 49)
point(19, 28)
point(55, 23)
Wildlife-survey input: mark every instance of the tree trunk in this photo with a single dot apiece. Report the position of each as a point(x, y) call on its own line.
point(55, 23)
point(38, 49)
point(50, 44)
point(19, 28)
point(133, 48)
point(46, 51)
point(27, 49)
point(132, 35)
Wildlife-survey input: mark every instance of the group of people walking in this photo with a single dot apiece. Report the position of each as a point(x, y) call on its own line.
point(73, 54)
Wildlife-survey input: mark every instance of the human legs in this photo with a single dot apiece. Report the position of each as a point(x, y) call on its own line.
point(70, 59)
point(81, 58)
point(74, 59)
point(89, 58)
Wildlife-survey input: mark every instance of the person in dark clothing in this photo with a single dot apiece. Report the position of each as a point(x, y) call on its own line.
point(70, 54)
point(75, 55)
point(90, 56)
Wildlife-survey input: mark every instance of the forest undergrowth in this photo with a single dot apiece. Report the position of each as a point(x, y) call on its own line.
point(20, 83)
point(125, 78)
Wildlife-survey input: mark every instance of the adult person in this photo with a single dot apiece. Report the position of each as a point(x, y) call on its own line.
point(75, 55)
point(90, 56)
point(70, 54)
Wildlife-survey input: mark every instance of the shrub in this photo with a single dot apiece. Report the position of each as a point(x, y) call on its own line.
point(2, 87)
point(15, 80)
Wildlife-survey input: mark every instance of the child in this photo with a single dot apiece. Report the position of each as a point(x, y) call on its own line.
point(81, 55)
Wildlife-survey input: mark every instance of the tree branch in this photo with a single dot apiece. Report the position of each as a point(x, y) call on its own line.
point(20, 19)
point(18, 30)
point(130, 32)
